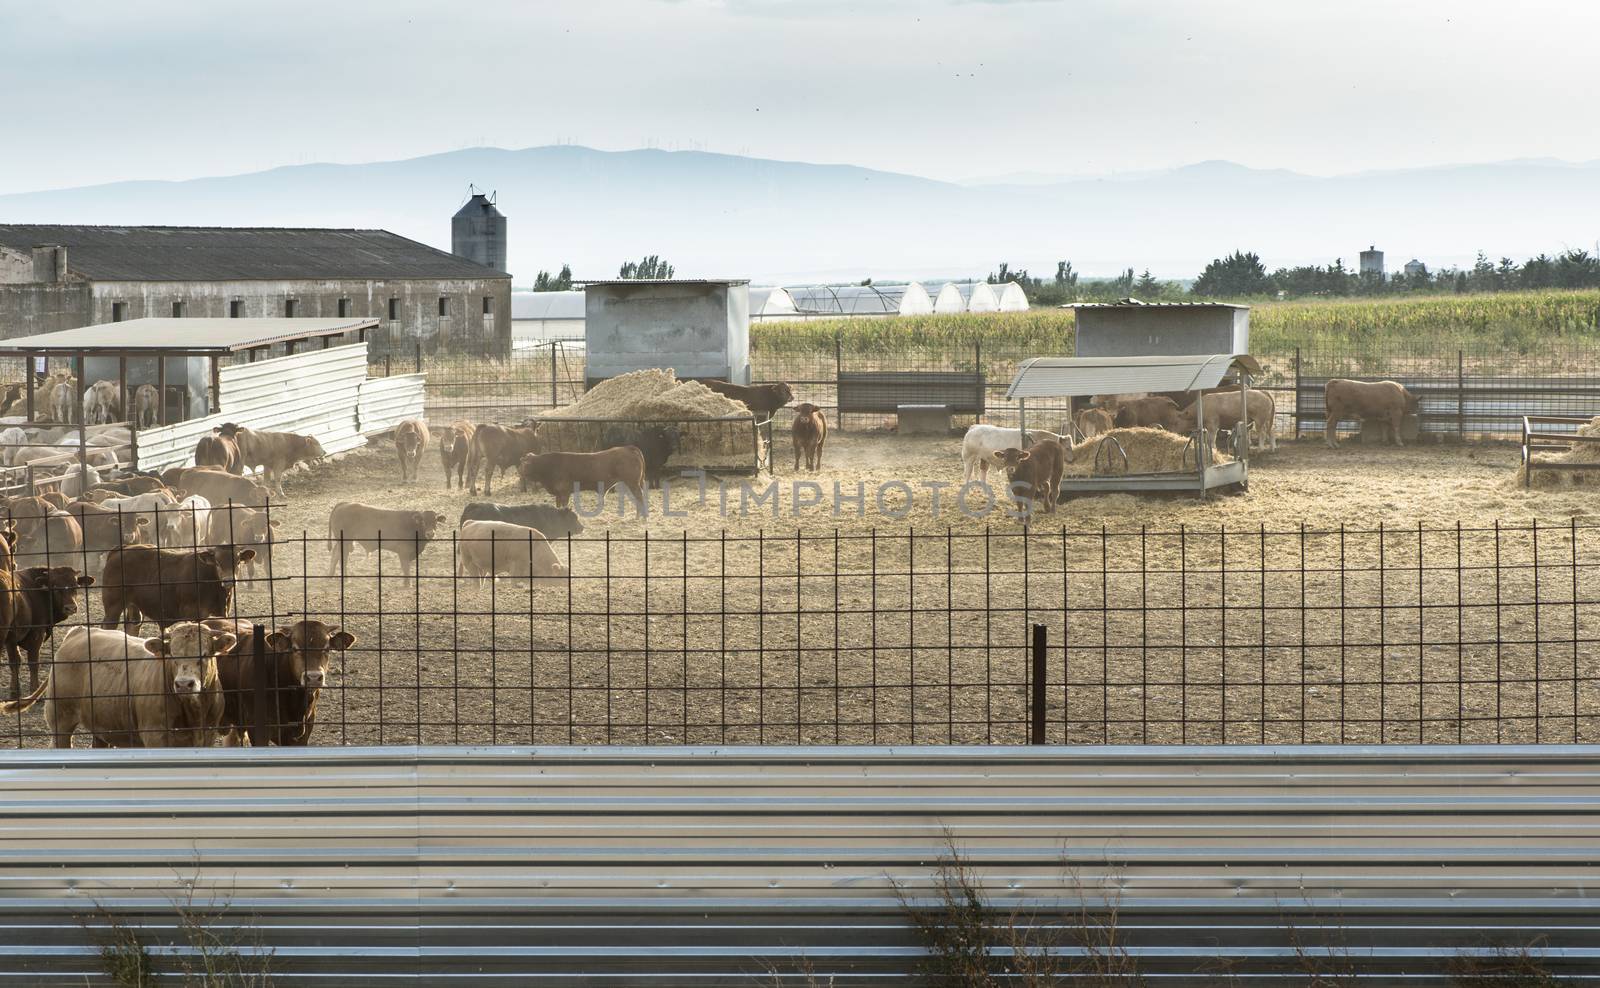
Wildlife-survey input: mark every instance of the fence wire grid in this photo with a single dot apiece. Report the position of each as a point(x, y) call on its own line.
point(1381, 635)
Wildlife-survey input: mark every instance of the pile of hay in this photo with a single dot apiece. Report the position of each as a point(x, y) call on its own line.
point(1148, 451)
point(1579, 453)
point(646, 396)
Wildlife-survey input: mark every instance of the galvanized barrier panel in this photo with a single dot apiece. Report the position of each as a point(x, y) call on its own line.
point(727, 866)
point(322, 393)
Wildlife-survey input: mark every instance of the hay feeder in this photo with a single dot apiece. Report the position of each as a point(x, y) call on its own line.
point(1079, 377)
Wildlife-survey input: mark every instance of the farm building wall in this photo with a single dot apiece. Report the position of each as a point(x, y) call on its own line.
point(1161, 330)
point(44, 307)
point(696, 329)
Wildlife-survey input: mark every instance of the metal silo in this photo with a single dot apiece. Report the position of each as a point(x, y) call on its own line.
point(478, 231)
point(1372, 262)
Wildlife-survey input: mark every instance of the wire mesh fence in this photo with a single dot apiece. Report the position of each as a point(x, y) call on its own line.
point(1370, 636)
point(1479, 391)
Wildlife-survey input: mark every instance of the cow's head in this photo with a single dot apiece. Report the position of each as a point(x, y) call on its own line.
point(428, 522)
point(1010, 458)
point(407, 440)
point(310, 643)
point(1412, 402)
point(784, 393)
point(805, 409)
point(189, 652)
point(60, 585)
point(312, 449)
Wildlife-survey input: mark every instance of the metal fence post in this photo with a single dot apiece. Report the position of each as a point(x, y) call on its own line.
point(554, 400)
point(1036, 700)
point(259, 688)
point(419, 356)
point(1461, 395)
point(1297, 403)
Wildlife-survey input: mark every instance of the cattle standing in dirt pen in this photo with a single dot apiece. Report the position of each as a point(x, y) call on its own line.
point(808, 432)
point(1035, 473)
point(1222, 412)
point(130, 692)
point(487, 550)
point(455, 446)
point(555, 523)
point(45, 597)
point(402, 532)
point(410, 439)
point(563, 473)
point(1386, 401)
point(297, 658)
point(168, 585)
point(498, 447)
point(273, 453)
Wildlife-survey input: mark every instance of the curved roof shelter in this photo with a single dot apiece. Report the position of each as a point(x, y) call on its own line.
point(979, 296)
point(948, 299)
point(1009, 297)
point(909, 299)
point(1074, 377)
point(771, 303)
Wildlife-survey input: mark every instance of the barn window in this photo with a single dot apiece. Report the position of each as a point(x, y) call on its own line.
point(344, 307)
point(488, 305)
point(119, 311)
point(290, 307)
point(394, 308)
point(177, 310)
point(235, 309)
point(444, 306)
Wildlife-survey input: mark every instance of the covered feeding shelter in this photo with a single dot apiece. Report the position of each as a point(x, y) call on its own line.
point(306, 375)
point(1112, 470)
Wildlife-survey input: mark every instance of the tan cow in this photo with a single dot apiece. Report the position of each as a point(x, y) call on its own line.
point(809, 432)
point(498, 447)
point(102, 403)
point(1092, 422)
point(274, 453)
point(402, 532)
point(563, 473)
point(63, 396)
point(410, 439)
point(490, 549)
point(1386, 401)
point(250, 528)
point(217, 486)
point(219, 452)
point(1222, 412)
point(1154, 412)
point(1035, 473)
point(131, 692)
point(455, 445)
point(147, 406)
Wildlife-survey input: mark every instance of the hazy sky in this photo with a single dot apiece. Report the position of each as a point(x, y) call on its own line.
point(101, 90)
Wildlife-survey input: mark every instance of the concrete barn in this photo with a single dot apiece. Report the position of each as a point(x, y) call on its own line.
point(66, 277)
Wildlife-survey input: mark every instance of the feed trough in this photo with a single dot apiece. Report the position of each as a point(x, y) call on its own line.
point(1113, 469)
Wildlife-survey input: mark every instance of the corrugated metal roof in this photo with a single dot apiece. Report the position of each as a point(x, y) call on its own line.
point(1063, 377)
point(173, 253)
point(198, 335)
point(1131, 303)
point(547, 305)
point(709, 866)
point(666, 281)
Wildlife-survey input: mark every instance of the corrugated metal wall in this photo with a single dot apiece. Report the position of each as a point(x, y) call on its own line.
point(570, 866)
point(323, 393)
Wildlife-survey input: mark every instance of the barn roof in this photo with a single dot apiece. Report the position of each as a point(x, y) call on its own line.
point(1064, 377)
point(196, 336)
point(547, 305)
point(190, 253)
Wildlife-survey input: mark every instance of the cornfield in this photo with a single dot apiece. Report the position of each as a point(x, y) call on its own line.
point(1517, 322)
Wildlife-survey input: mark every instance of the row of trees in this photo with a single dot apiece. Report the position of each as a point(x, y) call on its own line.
point(1242, 274)
point(1068, 286)
point(650, 267)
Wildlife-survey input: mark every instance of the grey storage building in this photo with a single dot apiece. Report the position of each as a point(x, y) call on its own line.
point(1131, 328)
point(698, 328)
point(65, 277)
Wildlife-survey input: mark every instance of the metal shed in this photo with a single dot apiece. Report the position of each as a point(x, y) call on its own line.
point(1075, 377)
point(171, 352)
point(1133, 328)
point(697, 327)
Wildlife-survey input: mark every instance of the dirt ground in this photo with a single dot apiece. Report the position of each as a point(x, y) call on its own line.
point(860, 626)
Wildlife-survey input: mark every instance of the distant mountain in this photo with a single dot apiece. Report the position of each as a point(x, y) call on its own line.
point(716, 215)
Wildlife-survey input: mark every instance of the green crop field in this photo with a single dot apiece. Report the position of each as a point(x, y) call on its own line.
point(1520, 322)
